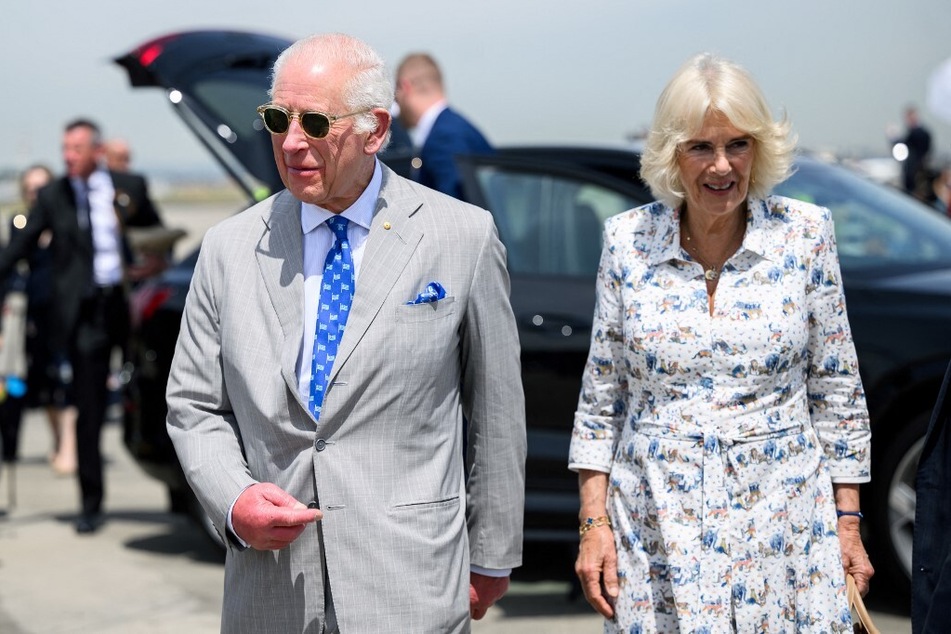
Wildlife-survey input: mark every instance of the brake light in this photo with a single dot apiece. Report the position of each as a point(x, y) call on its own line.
point(148, 55)
point(150, 51)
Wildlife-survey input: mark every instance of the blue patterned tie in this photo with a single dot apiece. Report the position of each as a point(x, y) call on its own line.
point(336, 295)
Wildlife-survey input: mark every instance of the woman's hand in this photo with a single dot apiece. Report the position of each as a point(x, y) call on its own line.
point(596, 567)
point(855, 560)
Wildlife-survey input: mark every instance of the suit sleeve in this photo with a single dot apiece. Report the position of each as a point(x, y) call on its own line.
point(494, 408)
point(201, 422)
point(440, 162)
point(145, 213)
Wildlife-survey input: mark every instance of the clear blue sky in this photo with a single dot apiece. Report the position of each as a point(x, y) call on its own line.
point(525, 70)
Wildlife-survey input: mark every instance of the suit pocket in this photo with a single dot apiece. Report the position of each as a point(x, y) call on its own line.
point(423, 506)
point(414, 313)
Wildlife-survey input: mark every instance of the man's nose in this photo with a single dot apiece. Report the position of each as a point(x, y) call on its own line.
point(294, 138)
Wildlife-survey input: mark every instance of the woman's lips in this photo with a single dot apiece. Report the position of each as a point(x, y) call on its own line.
point(719, 188)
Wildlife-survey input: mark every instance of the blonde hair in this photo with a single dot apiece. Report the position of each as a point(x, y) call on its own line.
point(704, 85)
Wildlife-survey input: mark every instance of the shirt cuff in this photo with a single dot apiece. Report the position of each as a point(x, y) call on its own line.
point(237, 538)
point(491, 572)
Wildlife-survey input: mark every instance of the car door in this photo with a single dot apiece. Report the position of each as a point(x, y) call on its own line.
point(550, 217)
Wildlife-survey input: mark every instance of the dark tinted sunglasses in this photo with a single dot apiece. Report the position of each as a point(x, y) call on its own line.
point(315, 124)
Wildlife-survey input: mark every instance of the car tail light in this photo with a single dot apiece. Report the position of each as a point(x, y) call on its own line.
point(150, 51)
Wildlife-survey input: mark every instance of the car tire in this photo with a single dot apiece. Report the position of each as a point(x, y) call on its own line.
point(891, 509)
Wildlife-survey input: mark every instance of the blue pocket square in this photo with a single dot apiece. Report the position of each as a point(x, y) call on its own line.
point(432, 293)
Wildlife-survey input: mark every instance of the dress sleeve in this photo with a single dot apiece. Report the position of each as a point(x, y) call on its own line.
point(836, 398)
point(602, 405)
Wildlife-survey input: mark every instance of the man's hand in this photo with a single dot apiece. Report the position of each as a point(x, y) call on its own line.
point(268, 518)
point(484, 592)
point(596, 567)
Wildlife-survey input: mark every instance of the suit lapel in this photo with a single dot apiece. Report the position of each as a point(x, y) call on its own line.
point(391, 244)
point(281, 262)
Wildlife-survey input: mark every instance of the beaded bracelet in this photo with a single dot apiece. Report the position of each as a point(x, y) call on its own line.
point(593, 522)
point(857, 514)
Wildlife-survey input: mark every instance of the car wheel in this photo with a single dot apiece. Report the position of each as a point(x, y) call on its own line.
point(892, 508)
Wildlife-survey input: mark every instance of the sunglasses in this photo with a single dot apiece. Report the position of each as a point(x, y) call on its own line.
point(315, 124)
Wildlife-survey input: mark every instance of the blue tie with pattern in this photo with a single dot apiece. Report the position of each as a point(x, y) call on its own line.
point(336, 295)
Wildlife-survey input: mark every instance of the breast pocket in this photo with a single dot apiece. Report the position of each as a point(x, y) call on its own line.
point(415, 313)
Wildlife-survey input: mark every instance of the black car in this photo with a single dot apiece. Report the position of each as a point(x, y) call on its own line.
point(549, 204)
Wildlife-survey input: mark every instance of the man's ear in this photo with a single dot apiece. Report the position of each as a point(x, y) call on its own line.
point(375, 139)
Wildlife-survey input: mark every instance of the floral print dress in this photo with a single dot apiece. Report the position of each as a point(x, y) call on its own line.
point(722, 434)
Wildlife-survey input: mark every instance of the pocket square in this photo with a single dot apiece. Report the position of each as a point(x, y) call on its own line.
point(432, 293)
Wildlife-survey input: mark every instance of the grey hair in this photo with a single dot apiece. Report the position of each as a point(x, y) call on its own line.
point(369, 87)
point(709, 84)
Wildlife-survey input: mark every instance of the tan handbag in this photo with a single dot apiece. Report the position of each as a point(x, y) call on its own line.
point(861, 621)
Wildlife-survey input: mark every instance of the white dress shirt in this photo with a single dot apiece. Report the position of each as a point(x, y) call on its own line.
point(106, 240)
point(318, 240)
point(424, 126)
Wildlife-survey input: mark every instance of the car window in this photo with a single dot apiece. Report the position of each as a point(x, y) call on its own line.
point(875, 226)
point(550, 225)
point(227, 103)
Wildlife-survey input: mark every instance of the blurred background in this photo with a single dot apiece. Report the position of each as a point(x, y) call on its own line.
point(529, 71)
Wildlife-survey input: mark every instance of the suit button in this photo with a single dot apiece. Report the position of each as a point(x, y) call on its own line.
point(320, 444)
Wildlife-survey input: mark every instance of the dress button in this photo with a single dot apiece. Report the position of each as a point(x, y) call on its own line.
point(320, 444)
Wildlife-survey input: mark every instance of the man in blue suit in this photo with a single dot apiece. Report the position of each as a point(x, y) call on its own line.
point(438, 132)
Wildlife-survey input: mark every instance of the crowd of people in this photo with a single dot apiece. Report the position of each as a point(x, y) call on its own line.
point(376, 438)
point(69, 260)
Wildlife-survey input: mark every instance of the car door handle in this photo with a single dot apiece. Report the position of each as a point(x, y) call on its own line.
point(553, 324)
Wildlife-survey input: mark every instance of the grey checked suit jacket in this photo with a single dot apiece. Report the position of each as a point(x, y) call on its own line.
point(404, 514)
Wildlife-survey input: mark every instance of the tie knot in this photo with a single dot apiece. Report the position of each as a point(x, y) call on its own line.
point(338, 224)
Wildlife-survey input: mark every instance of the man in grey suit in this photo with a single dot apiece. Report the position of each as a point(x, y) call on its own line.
point(340, 477)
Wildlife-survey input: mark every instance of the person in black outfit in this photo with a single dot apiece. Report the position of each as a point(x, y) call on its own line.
point(914, 169)
point(931, 550)
point(48, 372)
point(88, 213)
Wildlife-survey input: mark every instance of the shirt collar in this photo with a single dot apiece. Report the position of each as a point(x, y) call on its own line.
point(360, 212)
point(757, 239)
point(424, 126)
point(96, 180)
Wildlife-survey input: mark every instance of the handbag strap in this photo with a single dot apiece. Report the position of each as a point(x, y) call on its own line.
point(857, 605)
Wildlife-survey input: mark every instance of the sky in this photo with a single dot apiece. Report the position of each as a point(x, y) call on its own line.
point(525, 71)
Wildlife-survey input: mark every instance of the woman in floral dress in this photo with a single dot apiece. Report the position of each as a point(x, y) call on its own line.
point(721, 432)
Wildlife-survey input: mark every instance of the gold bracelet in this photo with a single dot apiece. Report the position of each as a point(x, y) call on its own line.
point(593, 522)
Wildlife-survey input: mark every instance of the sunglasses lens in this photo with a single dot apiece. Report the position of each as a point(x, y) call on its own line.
point(276, 120)
point(315, 124)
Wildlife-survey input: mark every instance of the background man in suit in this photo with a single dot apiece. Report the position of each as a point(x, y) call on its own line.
point(275, 429)
point(438, 132)
point(88, 212)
